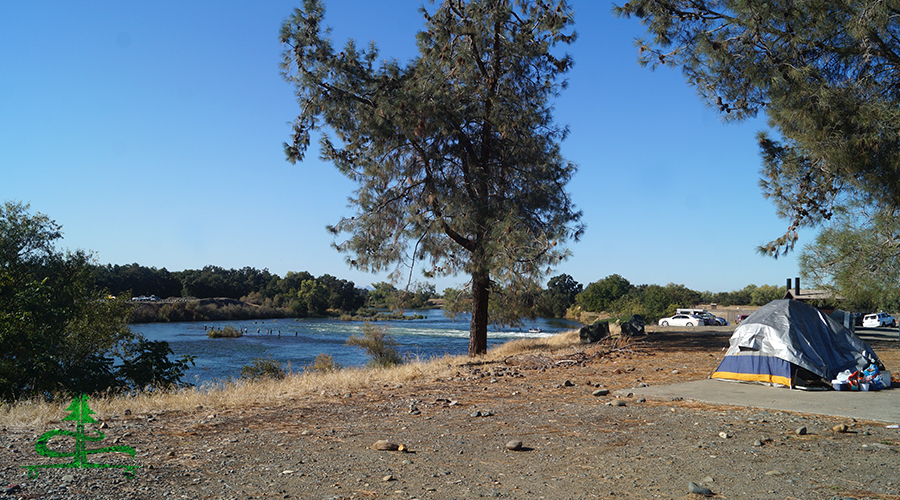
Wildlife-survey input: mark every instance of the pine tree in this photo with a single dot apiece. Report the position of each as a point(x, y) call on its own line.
point(456, 153)
point(827, 75)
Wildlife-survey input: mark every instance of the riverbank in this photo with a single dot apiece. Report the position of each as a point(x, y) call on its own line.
point(311, 436)
point(185, 309)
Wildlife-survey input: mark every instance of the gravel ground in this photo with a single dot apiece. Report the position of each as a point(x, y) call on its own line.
point(575, 441)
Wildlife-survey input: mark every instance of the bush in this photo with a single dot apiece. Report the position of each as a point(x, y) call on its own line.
point(227, 332)
point(377, 344)
point(262, 368)
point(147, 364)
point(324, 363)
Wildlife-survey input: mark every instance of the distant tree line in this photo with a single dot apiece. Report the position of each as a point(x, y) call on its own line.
point(297, 294)
point(613, 295)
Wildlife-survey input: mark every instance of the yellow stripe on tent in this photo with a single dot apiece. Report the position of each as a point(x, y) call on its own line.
point(754, 377)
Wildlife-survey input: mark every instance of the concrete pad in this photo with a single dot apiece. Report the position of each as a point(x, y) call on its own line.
point(880, 406)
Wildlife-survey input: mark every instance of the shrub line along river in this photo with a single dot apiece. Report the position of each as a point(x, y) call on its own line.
point(297, 341)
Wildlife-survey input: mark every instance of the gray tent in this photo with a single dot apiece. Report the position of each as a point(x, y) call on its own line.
point(791, 343)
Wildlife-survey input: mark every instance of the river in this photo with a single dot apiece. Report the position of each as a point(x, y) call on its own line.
point(302, 339)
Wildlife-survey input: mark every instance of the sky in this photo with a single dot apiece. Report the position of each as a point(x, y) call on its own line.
point(152, 132)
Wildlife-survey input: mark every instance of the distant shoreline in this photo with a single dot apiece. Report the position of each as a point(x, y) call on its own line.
point(187, 309)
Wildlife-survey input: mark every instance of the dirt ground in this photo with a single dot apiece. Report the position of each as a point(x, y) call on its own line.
point(572, 441)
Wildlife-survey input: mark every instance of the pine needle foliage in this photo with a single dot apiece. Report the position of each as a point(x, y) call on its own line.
point(827, 75)
point(456, 154)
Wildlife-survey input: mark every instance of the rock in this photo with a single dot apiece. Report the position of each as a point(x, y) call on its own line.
point(601, 392)
point(594, 333)
point(384, 445)
point(757, 443)
point(389, 477)
point(724, 435)
point(840, 428)
point(514, 445)
point(801, 431)
point(634, 326)
point(568, 383)
point(617, 403)
point(699, 490)
point(68, 478)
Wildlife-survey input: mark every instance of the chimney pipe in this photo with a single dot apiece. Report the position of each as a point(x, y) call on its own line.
point(796, 287)
point(788, 285)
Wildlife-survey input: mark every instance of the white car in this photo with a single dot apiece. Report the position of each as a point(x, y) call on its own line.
point(681, 320)
point(878, 320)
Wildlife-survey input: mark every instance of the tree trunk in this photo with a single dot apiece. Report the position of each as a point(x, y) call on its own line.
point(481, 283)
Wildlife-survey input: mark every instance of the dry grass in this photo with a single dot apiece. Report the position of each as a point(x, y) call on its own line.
point(246, 393)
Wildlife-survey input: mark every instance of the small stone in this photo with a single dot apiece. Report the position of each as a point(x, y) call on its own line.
point(617, 403)
point(384, 445)
point(724, 435)
point(699, 490)
point(475, 414)
point(757, 443)
point(568, 383)
point(127, 412)
point(389, 477)
point(600, 392)
point(840, 428)
point(675, 372)
point(773, 473)
point(68, 478)
point(801, 431)
point(514, 445)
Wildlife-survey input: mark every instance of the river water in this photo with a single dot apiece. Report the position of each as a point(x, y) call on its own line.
point(302, 339)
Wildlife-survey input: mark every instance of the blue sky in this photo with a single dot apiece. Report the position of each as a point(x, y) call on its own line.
point(152, 132)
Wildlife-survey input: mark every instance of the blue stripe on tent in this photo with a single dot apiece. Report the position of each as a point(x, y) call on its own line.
point(752, 367)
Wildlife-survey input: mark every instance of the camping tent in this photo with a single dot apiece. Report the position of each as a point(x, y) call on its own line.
point(791, 343)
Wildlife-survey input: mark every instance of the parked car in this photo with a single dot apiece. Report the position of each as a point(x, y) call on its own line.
point(712, 319)
point(740, 318)
point(682, 320)
point(878, 320)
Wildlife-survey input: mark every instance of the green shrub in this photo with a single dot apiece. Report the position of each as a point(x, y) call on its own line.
point(377, 344)
point(147, 364)
point(263, 368)
point(227, 332)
